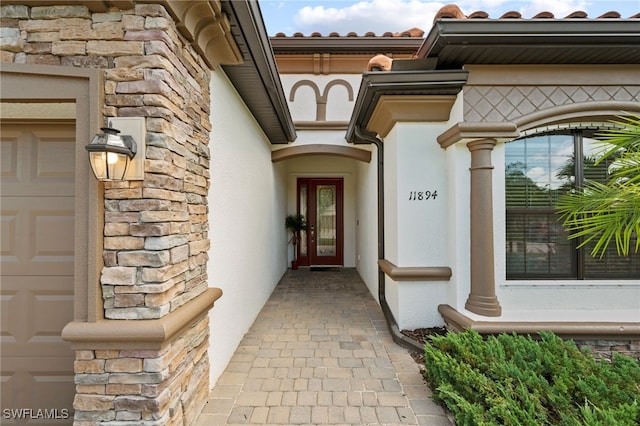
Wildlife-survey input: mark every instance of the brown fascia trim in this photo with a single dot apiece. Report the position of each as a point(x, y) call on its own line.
point(468, 33)
point(345, 45)
point(140, 334)
point(457, 322)
point(321, 125)
point(377, 83)
point(415, 273)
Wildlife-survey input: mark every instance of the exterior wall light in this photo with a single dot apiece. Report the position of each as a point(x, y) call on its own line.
point(110, 153)
point(116, 157)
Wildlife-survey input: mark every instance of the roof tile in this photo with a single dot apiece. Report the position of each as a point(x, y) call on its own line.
point(511, 15)
point(544, 15)
point(452, 11)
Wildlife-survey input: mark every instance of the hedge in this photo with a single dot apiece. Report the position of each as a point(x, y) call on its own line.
point(518, 380)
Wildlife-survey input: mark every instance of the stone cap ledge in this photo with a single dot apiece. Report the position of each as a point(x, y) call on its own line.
point(589, 330)
point(467, 131)
point(415, 273)
point(139, 334)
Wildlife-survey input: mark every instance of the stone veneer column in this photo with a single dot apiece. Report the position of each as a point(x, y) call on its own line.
point(143, 360)
point(482, 297)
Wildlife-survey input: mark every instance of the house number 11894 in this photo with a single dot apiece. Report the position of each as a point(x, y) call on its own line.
point(422, 195)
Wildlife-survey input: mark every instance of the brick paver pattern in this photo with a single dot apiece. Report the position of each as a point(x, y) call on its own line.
point(320, 353)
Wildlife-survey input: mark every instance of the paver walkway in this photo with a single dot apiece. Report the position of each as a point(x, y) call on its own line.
point(320, 353)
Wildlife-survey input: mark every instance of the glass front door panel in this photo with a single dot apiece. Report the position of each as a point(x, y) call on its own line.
point(326, 232)
point(303, 211)
point(320, 200)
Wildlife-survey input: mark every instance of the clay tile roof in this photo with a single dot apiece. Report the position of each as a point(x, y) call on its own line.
point(577, 14)
point(544, 15)
point(611, 14)
point(450, 11)
point(480, 14)
point(511, 15)
point(413, 32)
point(379, 63)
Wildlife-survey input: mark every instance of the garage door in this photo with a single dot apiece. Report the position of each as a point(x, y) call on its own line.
point(37, 267)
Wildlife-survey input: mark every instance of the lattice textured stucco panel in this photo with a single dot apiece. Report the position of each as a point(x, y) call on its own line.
point(507, 103)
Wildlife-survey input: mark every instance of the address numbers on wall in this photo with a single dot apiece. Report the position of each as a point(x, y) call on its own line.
point(422, 195)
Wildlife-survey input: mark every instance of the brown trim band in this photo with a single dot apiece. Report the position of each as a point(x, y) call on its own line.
point(320, 149)
point(583, 112)
point(139, 334)
point(457, 322)
point(559, 74)
point(419, 273)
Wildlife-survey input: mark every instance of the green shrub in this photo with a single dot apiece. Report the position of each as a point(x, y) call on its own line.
point(517, 380)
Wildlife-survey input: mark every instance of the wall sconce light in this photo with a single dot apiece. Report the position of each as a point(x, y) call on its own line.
point(114, 156)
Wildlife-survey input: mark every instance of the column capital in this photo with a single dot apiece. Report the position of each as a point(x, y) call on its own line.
point(482, 144)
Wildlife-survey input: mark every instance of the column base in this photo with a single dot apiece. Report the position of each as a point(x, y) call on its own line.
point(487, 306)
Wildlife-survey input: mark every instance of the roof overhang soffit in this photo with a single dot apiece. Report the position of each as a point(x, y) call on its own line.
point(459, 42)
point(385, 98)
point(257, 79)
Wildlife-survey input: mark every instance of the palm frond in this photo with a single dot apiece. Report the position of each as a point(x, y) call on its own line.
point(603, 215)
point(608, 213)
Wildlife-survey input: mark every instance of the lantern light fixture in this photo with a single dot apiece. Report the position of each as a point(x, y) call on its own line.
point(111, 154)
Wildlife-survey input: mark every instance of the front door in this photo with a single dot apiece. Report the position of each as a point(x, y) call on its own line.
point(320, 201)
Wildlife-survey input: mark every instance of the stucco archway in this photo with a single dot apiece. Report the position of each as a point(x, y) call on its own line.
point(319, 149)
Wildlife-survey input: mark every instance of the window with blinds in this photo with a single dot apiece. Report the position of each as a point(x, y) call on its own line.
point(538, 170)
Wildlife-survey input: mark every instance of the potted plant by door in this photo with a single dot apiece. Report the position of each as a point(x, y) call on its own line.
point(295, 223)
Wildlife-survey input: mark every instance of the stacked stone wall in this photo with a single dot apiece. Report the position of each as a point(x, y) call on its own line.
point(144, 387)
point(606, 348)
point(156, 230)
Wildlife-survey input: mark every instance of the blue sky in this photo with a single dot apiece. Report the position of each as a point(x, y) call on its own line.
point(379, 16)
